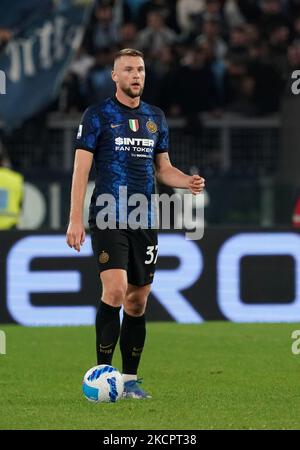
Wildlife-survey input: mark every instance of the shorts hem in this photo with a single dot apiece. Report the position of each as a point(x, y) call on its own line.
point(108, 268)
point(140, 284)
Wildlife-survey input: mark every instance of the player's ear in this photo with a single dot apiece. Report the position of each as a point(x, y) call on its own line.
point(114, 76)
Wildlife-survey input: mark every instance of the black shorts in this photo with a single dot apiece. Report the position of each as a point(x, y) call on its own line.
point(132, 250)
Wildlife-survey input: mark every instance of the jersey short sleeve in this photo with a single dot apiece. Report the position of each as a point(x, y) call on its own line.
point(163, 140)
point(88, 130)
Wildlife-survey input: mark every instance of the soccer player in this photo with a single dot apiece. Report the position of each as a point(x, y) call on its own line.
point(126, 138)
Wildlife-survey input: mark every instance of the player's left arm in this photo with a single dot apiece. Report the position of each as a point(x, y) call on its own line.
point(171, 176)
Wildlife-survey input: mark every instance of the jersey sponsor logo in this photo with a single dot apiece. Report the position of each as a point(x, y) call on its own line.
point(134, 124)
point(151, 126)
point(137, 147)
point(116, 125)
point(79, 132)
point(134, 141)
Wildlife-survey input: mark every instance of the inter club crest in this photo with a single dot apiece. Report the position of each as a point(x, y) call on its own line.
point(134, 124)
point(151, 126)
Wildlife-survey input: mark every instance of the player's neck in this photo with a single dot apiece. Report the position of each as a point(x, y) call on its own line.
point(128, 101)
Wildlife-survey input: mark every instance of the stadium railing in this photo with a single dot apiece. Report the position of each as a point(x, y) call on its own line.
point(247, 145)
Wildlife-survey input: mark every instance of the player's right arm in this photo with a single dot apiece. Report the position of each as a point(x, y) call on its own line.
point(86, 143)
point(82, 166)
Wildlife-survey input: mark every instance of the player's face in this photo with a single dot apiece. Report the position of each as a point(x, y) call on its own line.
point(129, 75)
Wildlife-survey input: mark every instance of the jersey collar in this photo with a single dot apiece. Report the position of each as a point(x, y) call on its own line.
point(116, 101)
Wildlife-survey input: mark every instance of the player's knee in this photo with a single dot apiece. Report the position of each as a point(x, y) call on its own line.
point(114, 295)
point(135, 305)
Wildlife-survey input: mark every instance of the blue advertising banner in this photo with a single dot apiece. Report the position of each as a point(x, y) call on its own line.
point(40, 46)
point(239, 275)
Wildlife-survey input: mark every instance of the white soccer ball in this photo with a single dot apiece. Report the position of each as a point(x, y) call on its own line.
point(103, 384)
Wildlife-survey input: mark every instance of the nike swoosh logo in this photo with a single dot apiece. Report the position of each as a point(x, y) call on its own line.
point(105, 346)
point(137, 349)
point(115, 126)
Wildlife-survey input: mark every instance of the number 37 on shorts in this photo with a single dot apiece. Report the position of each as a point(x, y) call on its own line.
point(152, 253)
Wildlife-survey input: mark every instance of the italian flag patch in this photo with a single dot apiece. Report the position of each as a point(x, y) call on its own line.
point(134, 124)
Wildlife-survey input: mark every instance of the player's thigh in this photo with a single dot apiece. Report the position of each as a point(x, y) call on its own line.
point(114, 286)
point(143, 250)
point(111, 252)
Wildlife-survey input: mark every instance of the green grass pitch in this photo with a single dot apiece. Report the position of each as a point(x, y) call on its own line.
point(217, 375)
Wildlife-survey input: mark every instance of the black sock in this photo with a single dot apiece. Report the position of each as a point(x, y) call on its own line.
point(107, 332)
point(132, 339)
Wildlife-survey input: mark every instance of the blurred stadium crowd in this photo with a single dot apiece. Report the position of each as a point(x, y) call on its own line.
point(231, 59)
point(201, 55)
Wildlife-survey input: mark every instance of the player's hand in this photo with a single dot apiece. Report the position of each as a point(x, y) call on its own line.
point(75, 236)
point(196, 184)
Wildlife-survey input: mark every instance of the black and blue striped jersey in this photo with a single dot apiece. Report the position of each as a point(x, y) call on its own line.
point(124, 142)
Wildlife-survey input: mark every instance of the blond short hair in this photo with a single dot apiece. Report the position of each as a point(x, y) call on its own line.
point(128, 52)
